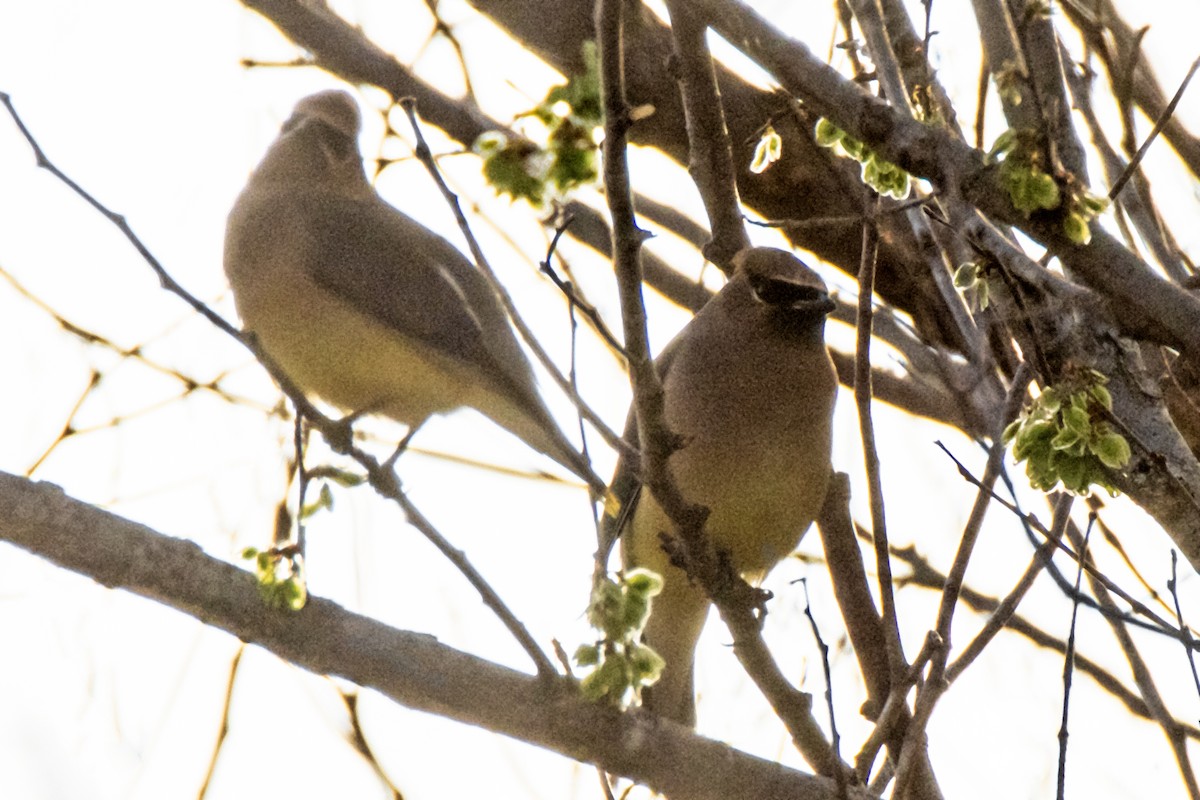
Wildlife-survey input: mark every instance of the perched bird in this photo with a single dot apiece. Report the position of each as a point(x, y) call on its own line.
point(749, 389)
point(362, 305)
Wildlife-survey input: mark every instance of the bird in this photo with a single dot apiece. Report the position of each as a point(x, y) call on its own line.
point(363, 306)
point(748, 391)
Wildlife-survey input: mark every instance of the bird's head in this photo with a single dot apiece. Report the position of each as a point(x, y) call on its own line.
point(778, 279)
point(319, 143)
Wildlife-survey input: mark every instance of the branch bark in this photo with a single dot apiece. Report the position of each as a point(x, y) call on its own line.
point(412, 669)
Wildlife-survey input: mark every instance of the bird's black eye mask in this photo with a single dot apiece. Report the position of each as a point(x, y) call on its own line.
point(789, 297)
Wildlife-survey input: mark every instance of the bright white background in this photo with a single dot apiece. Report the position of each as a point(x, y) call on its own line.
point(109, 696)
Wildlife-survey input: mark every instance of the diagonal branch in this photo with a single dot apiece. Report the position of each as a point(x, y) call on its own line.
point(412, 669)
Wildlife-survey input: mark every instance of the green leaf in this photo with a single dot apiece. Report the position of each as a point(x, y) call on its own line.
point(293, 594)
point(1033, 437)
point(1004, 142)
point(1065, 439)
point(767, 151)
point(595, 685)
point(643, 581)
point(1102, 396)
point(581, 92)
point(1043, 191)
point(508, 170)
point(1041, 475)
point(854, 148)
point(1077, 420)
point(827, 134)
point(1112, 449)
point(982, 295)
point(1091, 205)
point(647, 664)
point(343, 477)
point(324, 501)
point(587, 655)
point(966, 275)
point(870, 172)
point(1075, 473)
point(901, 184)
point(605, 603)
point(636, 612)
point(1076, 228)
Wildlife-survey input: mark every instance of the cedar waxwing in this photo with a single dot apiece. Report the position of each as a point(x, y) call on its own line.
point(749, 388)
point(360, 304)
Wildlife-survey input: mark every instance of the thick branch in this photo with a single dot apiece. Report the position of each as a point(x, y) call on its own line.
point(412, 669)
point(1144, 304)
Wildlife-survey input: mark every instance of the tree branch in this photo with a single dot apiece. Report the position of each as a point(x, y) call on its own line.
point(411, 669)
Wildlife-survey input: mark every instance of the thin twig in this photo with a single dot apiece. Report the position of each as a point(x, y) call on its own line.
point(937, 682)
point(862, 399)
point(359, 740)
point(1157, 624)
point(1007, 607)
point(223, 730)
point(839, 775)
point(1069, 670)
point(1175, 732)
point(1188, 642)
point(924, 575)
point(573, 298)
point(68, 428)
point(440, 26)
point(1159, 124)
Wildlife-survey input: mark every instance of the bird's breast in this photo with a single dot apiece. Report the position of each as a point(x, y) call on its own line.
point(762, 465)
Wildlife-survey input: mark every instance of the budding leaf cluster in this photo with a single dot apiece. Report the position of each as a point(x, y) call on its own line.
point(280, 574)
point(1063, 437)
point(882, 176)
point(620, 665)
point(1032, 189)
point(567, 155)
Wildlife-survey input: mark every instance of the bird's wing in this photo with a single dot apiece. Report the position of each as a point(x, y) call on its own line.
point(626, 486)
point(387, 265)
